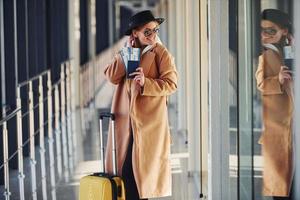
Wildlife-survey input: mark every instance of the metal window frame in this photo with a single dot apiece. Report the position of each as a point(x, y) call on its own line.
point(297, 100)
point(245, 132)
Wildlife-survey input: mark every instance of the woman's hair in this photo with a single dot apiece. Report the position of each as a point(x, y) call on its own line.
point(278, 17)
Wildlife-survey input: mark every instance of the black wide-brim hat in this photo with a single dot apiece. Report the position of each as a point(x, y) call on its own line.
point(140, 19)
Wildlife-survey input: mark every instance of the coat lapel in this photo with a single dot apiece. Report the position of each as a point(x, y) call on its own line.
point(146, 61)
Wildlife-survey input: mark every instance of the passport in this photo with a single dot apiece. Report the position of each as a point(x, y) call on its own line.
point(288, 57)
point(131, 59)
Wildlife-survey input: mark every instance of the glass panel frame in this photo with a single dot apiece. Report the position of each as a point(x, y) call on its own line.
point(297, 99)
point(245, 100)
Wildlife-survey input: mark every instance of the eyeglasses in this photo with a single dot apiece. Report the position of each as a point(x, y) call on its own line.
point(148, 32)
point(269, 31)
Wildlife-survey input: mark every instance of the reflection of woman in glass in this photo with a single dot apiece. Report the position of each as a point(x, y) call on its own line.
point(274, 80)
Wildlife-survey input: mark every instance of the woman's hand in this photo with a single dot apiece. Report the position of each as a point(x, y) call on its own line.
point(139, 76)
point(290, 39)
point(130, 41)
point(284, 75)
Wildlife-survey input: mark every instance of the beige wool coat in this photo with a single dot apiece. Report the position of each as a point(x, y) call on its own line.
point(276, 139)
point(144, 110)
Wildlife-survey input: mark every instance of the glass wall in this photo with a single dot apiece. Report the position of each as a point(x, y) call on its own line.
point(272, 111)
point(240, 104)
point(264, 100)
point(260, 99)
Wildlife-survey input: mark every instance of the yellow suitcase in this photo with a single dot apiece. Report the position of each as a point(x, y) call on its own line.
point(102, 186)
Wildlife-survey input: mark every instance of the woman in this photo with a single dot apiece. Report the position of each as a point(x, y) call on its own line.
point(140, 106)
point(274, 80)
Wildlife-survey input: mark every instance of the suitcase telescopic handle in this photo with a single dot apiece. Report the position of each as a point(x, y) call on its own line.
point(107, 115)
point(114, 152)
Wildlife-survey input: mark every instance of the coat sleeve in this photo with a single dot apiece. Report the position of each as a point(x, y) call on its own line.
point(267, 85)
point(115, 72)
point(166, 83)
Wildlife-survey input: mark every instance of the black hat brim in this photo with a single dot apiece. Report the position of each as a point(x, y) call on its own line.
point(129, 30)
